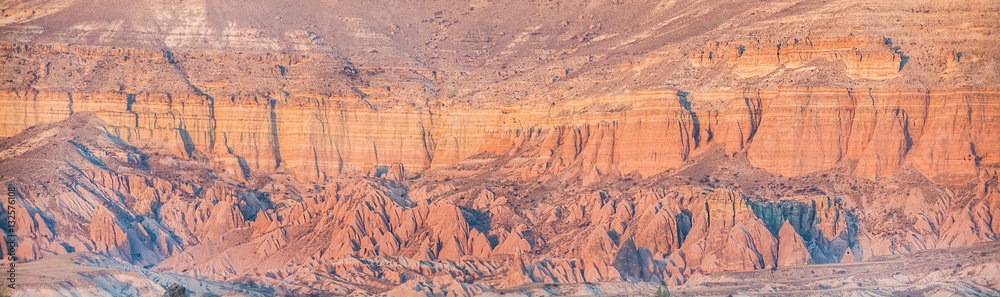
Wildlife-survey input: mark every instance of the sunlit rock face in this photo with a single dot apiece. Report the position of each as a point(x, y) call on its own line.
point(946, 135)
point(458, 149)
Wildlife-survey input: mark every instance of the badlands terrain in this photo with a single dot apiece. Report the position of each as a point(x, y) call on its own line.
point(501, 148)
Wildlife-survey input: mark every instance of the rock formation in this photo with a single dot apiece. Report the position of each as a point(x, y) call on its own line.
point(444, 149)
point(791, 249)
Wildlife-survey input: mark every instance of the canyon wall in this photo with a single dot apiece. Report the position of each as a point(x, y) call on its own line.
point(946, 134)
point(442, 148)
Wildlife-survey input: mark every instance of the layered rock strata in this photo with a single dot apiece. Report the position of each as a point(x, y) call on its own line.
point(455, 149)
point(947, 135)
point(445, 232)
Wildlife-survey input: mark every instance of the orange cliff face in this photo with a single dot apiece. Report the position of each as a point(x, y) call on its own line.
point(455, 149)
point(881, 129)
point(947, 135)
point(863, 57)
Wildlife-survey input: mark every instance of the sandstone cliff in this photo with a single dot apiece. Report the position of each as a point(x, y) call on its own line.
point(456, 149)
point(149, 206)
point(947, 135)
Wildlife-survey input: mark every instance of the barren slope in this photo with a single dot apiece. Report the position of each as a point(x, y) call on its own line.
point(443, 148)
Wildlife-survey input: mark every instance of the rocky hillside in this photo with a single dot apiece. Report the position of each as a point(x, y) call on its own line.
point(441, 148)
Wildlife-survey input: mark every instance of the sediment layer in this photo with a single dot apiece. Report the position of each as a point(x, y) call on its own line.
point(946, 134)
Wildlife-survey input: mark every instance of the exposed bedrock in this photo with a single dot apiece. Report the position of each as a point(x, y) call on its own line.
point(446, 148)
point(948, 135)
point(547, 203)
